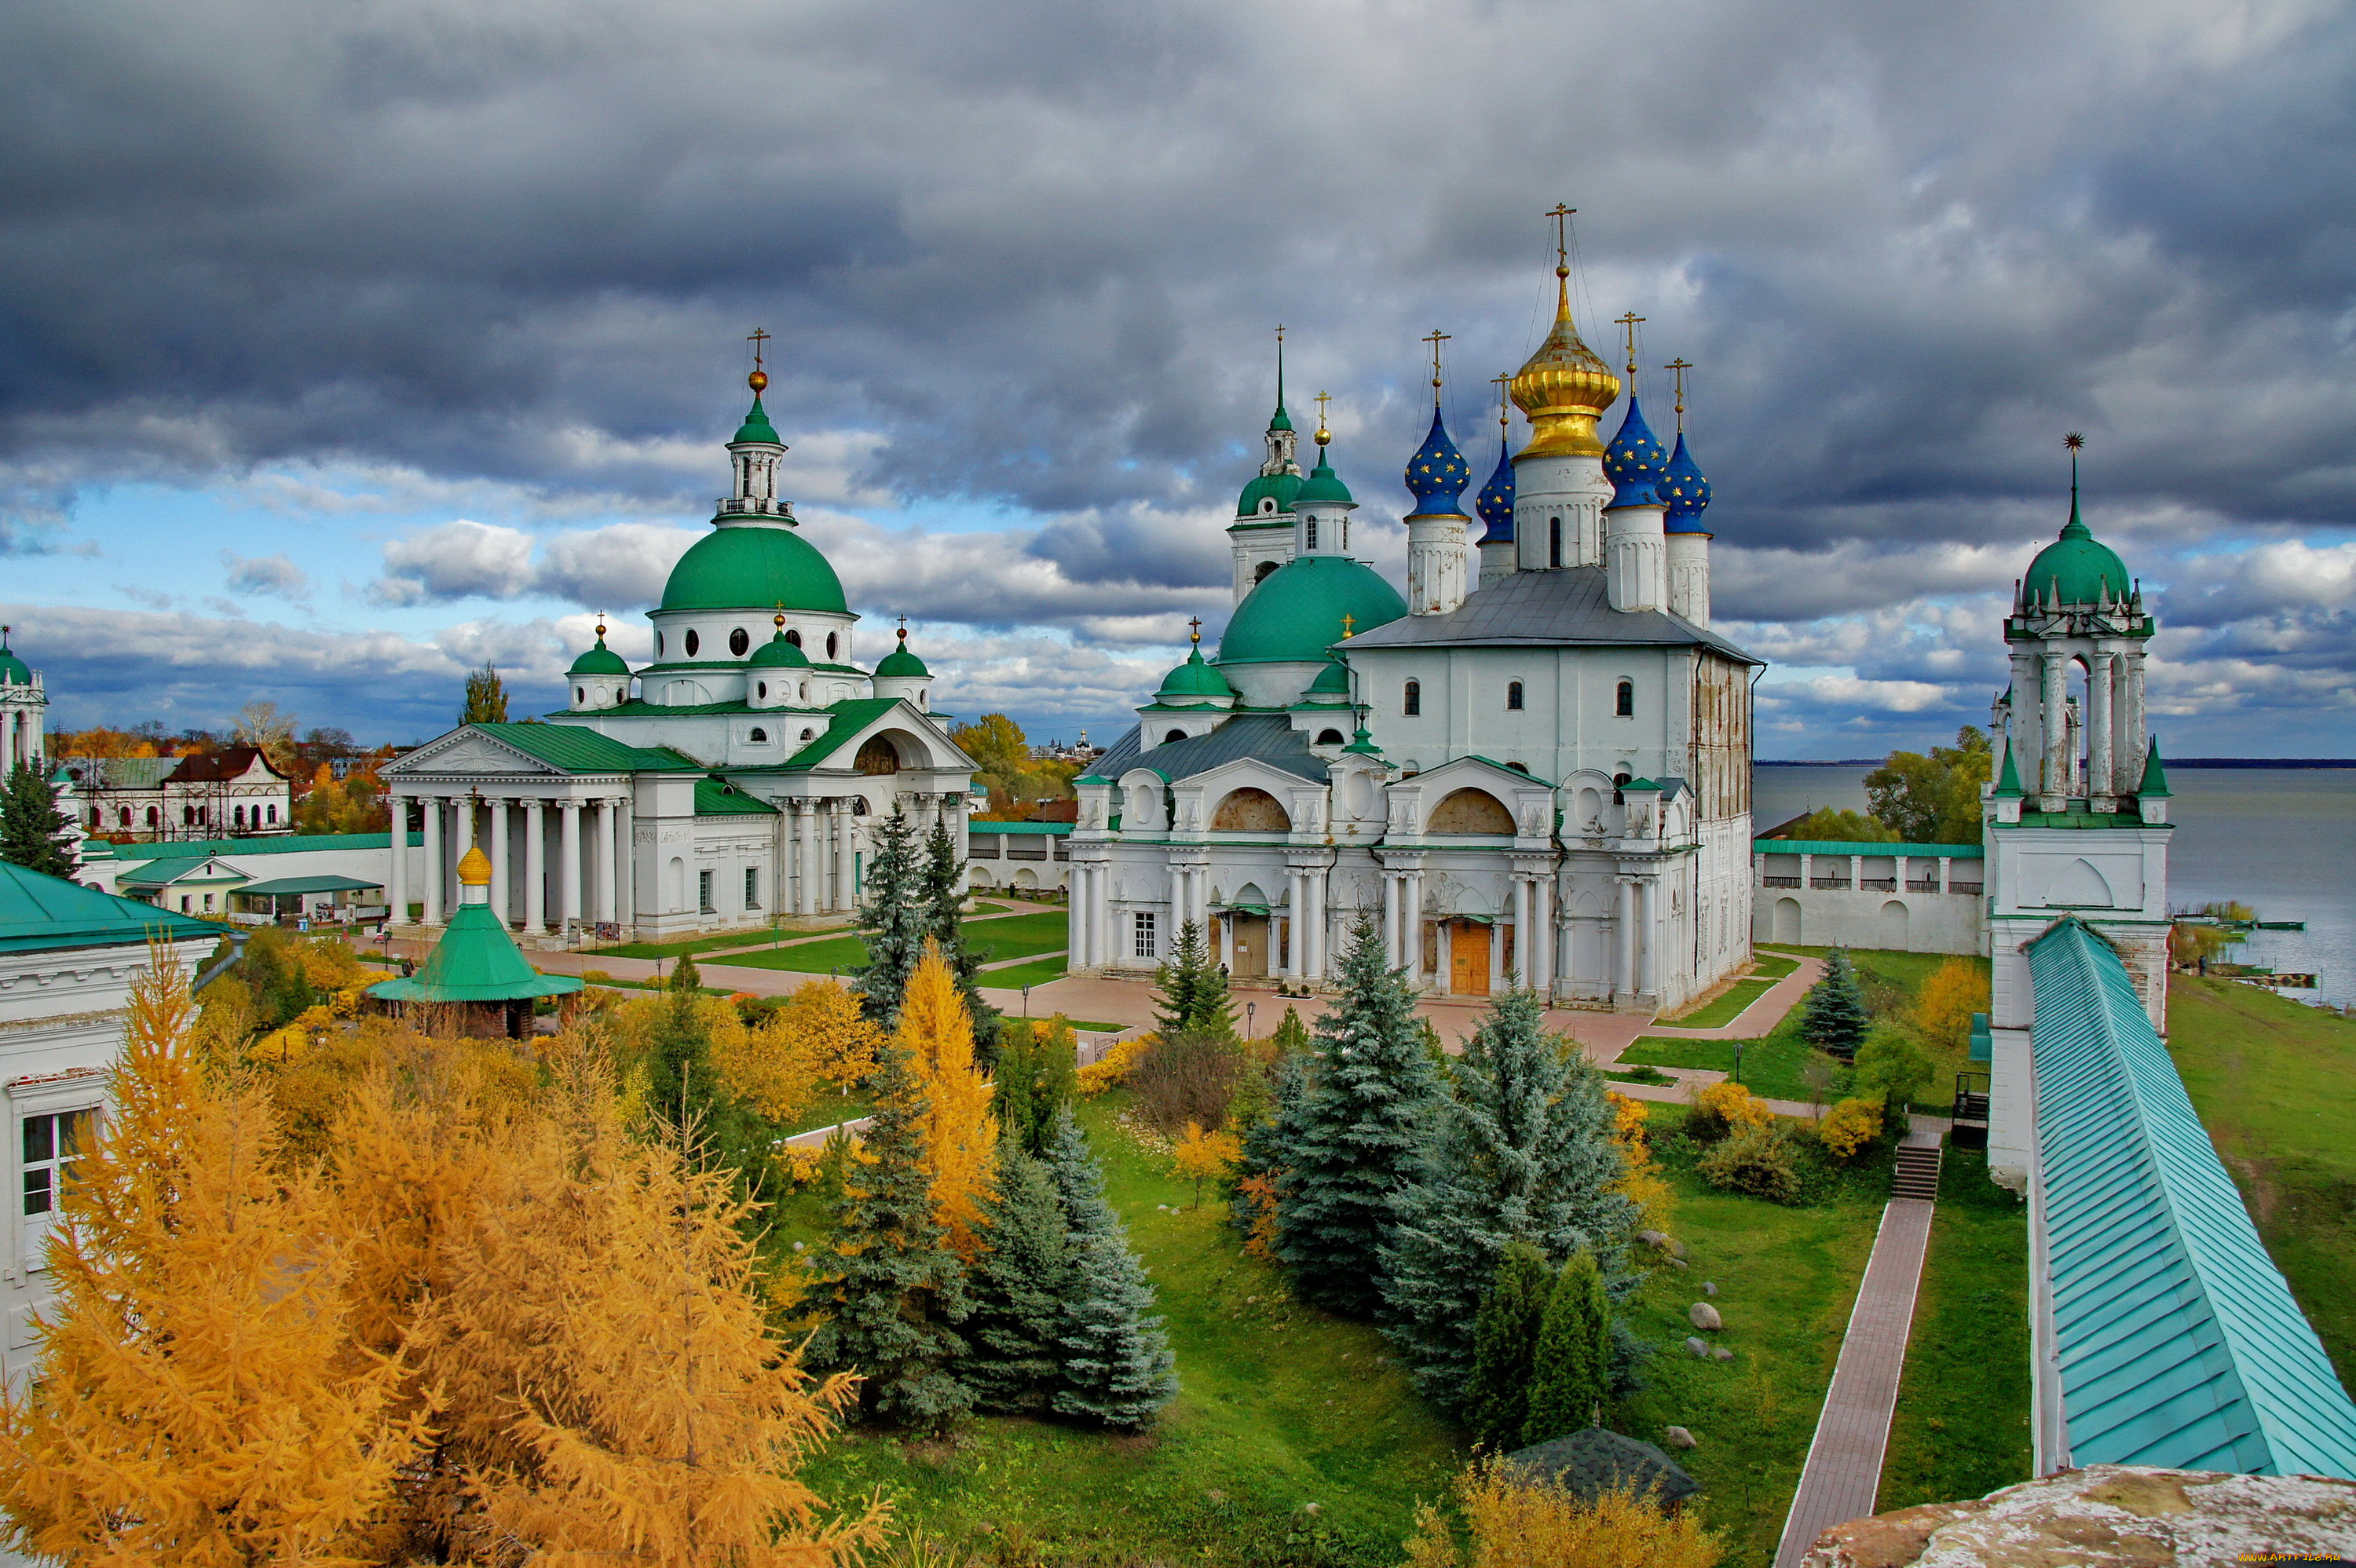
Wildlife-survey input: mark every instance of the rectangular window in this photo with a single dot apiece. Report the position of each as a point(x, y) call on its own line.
point(1313, 533)
point(52, 1144)
point(751, 887)
point(1145, 945)
point(703, 892)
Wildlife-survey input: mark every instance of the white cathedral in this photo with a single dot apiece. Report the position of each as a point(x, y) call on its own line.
point(1534, 768)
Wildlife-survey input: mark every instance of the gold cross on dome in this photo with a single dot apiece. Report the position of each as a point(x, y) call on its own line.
point(1436, 339)
point(1561, 215)
point(1322, 434)
point(1630, 321)
point(760, 335)
point(1348, 621)
point(1503, 384)
point(1196, 625)
point(1678, 366)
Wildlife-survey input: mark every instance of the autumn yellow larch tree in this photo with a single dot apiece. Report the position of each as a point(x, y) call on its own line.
point(818, 1039)
point(1200, 1155)
point(1944, 1008)
point(197, 1399)
point(961, 1132)
point(1517, 1521)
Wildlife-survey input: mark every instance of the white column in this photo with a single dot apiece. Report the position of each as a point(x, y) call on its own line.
point(535, 866)
point(1076, 918)
point(1103, 939)
point(498, 830)
point(2054, 784)
point(846, 841)
point(1394, 950)
point(2099, 780)
point(1295, 882)
point(432, 892)
point(1624, 978)
point(1525, 899)
point(2126, 753)
point(602, 849)
point(568, 860)
point(626, 859)
point(1411, 916)
point(1542, 934)
point(396, 884)
point(1648, 940)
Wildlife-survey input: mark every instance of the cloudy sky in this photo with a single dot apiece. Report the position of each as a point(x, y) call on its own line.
point(342, 347)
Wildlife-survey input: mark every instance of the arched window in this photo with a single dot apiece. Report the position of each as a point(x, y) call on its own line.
point(829, 644)
point(738, 641)
point(794, 637)
point(1412, 701)
point(877, 756)
point(1266, 566)
point(1625, 704)
point(658, 645)
point(809, 734)
point(759, 736)
point(1267, 504)
point(1329, 737)
point(97, 817)
point(1554, 541)
point(274, 813)
point(1173, 735)
point(126, 815)
point(1618, 781)
point(580, 696)
point(236, 816)
point(762, 686)
point(1513, 696)
point(692, 641)
point(805, 692)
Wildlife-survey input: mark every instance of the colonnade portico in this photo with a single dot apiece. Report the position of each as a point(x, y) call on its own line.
point(590, 881)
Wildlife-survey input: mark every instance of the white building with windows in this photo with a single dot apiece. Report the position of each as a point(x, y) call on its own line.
point(23, 709)
point(1534, 765)
point(733, 780)
point(236, 793)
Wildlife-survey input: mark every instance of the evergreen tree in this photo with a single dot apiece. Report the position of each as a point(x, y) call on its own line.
point(1573, 1368)
point(1268, 1144)
point(1505, 1347)
point(1363, 1126)
point(943, 890)
point(1523, 1150)
point(487, 698)
point(1194, 988)
point(894, 920)
point(1019, 1285)
point(1037, 1066)
point(1118, 1368)
point(898, 1289)
point(1837, 1019)
point(719, 1129)
point(1014, 1077)
point(34, 833)
point(1291, 1035)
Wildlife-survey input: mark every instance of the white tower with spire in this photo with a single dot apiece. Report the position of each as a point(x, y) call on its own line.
point(1560, 490)
point(1261, 538)
point(1437, 528)
point(23, 709)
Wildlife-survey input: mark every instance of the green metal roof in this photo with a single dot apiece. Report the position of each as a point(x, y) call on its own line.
point(716, 797)
point(1279, 488)
point(779, 654)
point(287, 886)
point(475, 961)
point(1294, 616)
point(848, 717)
point(1845, 846)
point(600, 660)
point(757, 427)
point(2155, 777)
point(185, 869)
point(1051, 828)
point(754, 567)
point(578, 750)
point(2077, 568)
point(2175, 1340)
point(197, 849)
point(38, 914)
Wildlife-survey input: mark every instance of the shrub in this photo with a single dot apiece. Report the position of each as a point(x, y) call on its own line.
point(1943, 1013)
point(1187, 1077)
point(1112, 1069)
point(1892, 1065)
point(1757, 1160)
point(1725, 1109)
point(1852, 1126)
point(1516, 1523)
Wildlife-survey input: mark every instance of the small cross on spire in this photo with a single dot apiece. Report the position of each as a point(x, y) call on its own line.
point(1323, 435)
point(1678, 366)
point(1195, 626)
point(1561, 216)
point(1436, 339)
point(1630, 321)
point(1503, 383)
point(760, 335)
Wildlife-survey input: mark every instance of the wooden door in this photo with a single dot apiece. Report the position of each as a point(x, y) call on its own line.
point(1251, 947)
point(1468, 959)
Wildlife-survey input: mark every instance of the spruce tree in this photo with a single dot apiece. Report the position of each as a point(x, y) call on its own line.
point(1837, 1019)
point(719, 1129)
point(1118, 1368)
point(34, 833)
point(894, 920)
point(1194, 988)
point(1573, 1369)
point(1013, 1076)
point(1522, 1150)
point(1505, 1347)
point(1363, 1126)
point(1019, 1285)
point(941, 884)
point(1269, 1143)
point(1036, 1071)
point(899, 1289)
point(1291, 1035)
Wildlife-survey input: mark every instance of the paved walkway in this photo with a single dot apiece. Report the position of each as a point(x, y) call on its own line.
point(1843, 1476)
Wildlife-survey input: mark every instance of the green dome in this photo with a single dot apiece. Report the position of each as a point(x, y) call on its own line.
point(1295, 613)
point(2076, 569)
point(757, 426)
point(902, 663)
point(1334, 681)
point(754, 567)
point(779, 654)
point(13, 670)
point(1324, 485)
point(1194, 680)
point(600, 660)
point(1281, 487)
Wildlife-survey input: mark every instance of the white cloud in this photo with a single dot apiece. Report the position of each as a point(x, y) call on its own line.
point(271, 575)
point(457, 560)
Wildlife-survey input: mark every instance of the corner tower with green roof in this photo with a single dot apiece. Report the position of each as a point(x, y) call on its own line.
point(24, 709)
point(1260, 538)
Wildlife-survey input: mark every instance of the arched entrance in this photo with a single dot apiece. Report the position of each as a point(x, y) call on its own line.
point(1786, 924)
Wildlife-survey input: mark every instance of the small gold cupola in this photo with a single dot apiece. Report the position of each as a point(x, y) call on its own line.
point(1565, 387)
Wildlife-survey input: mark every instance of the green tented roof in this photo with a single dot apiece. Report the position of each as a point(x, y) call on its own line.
point(165, 873)
point(848, 717)
point(578, 749)
point(286, 844)
point(287, 886)
point(38, 914)
point(475, 961)
point(1843, 847)
point(2177, 1342)
point(715, 798)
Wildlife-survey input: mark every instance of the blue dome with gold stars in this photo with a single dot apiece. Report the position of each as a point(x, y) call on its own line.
point(1634, 460)
point(1683, 489)
point(1437, 474)
point(1495, 502)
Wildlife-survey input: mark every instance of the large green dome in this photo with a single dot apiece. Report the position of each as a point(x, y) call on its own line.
point(754, 567)
point(2076, 569)
point(1295, 613)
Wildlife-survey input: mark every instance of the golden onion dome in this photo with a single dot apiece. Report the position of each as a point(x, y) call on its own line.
point(1564, 388)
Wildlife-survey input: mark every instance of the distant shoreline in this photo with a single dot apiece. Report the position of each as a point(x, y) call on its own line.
point(2171, 761)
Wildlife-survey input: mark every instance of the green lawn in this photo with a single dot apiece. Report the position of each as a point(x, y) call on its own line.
point(1017, 937)
point(702, 945)
point(2276, 1087)
point(1723, 1009)
point(1013, 936)
point(1773, 966)
point(1770, 1066)
point(1962, 1426)
point(836, 955)
point(1038, 972)
point(830, 1110)
point(1786, 1278)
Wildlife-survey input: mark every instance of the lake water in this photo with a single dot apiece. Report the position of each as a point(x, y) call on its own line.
point(2282, 840)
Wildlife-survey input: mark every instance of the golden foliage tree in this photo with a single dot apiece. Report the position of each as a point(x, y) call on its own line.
point(1942, 1011)
point(1641, 1183)
point(1201, 1154)
point(1517, 1523)
point(198, 1400)
point(961, 1132)
point(818, 1039)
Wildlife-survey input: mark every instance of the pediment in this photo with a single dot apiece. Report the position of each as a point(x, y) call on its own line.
point(470, 751)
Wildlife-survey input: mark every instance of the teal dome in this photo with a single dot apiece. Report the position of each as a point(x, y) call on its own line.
point(1324, 485)
point(1279, 488)
point(600, 660)
point(779, 654)
point(900, 663)
point(757, 426)
point(1332, 685)
point(2076, 569)
point(753, 566)
point(13, 670)
point(1295, 615)
point(1194, 681)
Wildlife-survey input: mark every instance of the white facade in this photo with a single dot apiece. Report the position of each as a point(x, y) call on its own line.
point(1903, 898)
point(158, 799)
point(24, 711)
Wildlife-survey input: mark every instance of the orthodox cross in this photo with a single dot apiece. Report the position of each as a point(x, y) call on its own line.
point(1561, 216)
point(760, 335)
point(1348, 621)
point(1678, 366)
point(1436, 339)
point(1630, 321)
point(1503, 383)
point(1322, 434)
point(1196, 625)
